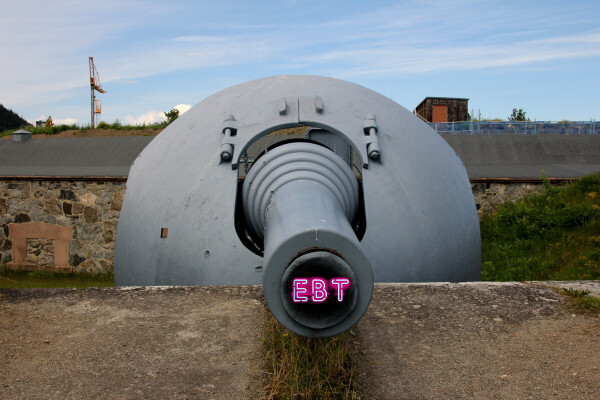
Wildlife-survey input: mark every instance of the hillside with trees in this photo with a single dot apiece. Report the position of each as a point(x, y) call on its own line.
point(10, 120)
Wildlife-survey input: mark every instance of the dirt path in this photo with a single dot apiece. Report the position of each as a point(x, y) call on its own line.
point(178, 343)
point(477, 341)
point(437, 341)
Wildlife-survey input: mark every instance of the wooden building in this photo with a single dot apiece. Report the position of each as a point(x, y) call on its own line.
point(443, 109)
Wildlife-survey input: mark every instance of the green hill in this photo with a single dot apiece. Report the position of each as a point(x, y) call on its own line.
point(10, 120)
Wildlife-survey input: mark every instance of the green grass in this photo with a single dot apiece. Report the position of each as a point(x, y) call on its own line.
point(41, 279)
point(582, 301)
point(53, 130)
point(46, 130)
point(551, 236)
point(118, 126)
point(300, 368)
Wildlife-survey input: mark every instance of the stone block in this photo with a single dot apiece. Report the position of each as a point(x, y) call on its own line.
point(77, 208)
point(90, 214)
point(17, 194)
point(87, 198)
point(76, 259)
point(18, 185)
point(37, 203)
point(117, 201)
point(84, 233)
point(6, 245)
point(108, 237)
point(37, 214)
point(74, 246)
point(67, 194)
point(64, 221)
point(106, 266)
point(67, 208)
point(56, 185)
point(3, 205)
point(52, 206)
point(111, 215)
point(89, 266)
point(92, 251)
point(16, 206)
point(104, 197)
point(111, 225)
point(21, 218)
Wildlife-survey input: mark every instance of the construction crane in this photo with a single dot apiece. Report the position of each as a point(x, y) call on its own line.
point(95, 85)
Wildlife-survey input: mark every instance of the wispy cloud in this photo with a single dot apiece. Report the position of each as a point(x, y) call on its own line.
point(154, 116)
point(201, 39)
point(404, 58)
point(150, 117)
point(133, 40)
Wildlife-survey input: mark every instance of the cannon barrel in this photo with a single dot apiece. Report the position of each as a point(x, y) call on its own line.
point(301, 198)
point(312, 186)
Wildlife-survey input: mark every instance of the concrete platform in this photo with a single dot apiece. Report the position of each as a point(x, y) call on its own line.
point(417, 341)
point(478, 341)
point(131, 343)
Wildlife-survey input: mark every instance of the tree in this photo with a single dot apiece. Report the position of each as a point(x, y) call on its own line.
point(172, 115)
point(518, 115)
point(10, 120)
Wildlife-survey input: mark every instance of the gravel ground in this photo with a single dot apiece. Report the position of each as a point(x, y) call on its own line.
point(150, 343)
point(417, 341)
point(477, 341)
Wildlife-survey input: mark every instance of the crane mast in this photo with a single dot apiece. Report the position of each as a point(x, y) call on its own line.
point(94, 86)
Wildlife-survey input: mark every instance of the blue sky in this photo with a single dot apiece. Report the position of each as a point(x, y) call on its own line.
point(542, 56)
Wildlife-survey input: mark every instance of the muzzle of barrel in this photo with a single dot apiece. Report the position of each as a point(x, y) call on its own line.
point(301, 198)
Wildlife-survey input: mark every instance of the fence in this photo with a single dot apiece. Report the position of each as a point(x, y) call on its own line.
point(519, 128)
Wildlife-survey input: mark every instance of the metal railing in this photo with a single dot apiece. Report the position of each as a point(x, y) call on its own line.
point(519, 128)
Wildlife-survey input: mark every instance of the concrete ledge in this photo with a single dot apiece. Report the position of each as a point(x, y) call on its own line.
point(478, 341)
point(417, 341)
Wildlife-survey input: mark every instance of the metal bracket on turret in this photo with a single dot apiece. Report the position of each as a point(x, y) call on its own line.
point(371, 138)
point(228, 142)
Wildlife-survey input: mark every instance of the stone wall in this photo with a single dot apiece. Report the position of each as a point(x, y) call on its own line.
point(489, 195)
point(90, 207)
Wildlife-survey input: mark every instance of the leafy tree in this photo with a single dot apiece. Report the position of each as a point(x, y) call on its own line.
point(172, 115)
point(518, 115)
point(10, 120)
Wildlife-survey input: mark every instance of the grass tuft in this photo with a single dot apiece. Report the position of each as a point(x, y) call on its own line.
point(582, 301)
point(42, 279)
point(551, 236)
point(300, 368)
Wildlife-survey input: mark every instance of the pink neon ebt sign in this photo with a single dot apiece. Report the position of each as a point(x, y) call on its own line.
point(317, 289)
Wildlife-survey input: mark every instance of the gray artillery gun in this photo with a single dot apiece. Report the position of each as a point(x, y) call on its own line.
point(368, 193)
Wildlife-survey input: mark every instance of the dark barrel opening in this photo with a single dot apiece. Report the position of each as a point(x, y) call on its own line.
point(325, 265)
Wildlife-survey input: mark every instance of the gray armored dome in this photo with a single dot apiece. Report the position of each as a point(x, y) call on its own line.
point(229, 195)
